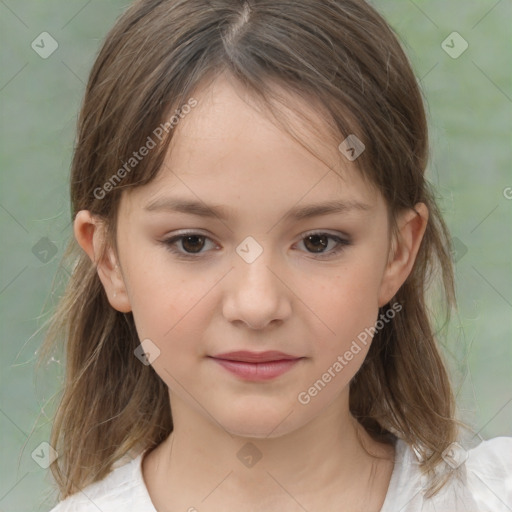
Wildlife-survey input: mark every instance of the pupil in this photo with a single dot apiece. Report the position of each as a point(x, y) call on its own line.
point(323, 242)
point(194, 247)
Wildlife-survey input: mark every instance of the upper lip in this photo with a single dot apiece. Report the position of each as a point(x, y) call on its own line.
point(255, 357)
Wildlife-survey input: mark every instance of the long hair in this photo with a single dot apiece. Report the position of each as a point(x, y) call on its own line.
point(339, 54)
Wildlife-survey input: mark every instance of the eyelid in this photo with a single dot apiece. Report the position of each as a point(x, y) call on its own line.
point(324, 232)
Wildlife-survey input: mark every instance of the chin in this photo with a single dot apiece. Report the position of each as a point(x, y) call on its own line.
point(262, 431)
point(263, 422)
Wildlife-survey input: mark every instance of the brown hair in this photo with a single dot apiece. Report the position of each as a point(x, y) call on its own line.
point(342, 54)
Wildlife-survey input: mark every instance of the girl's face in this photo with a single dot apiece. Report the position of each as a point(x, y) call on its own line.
point(248, 278)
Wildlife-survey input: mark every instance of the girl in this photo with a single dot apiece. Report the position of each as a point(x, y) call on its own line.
point(246, 323)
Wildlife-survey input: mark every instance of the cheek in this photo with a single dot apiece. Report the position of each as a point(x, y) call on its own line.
point(348, 308)
point(170, 306)
point(347, 302)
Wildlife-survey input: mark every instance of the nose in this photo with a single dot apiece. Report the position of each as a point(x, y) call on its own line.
point(256, 293)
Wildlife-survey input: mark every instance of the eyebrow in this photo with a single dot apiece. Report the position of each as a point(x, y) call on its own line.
point(298, 213)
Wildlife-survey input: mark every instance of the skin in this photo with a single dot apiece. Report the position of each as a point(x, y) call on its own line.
point(313, 456)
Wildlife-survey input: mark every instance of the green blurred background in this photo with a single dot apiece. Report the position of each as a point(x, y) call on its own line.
point(470, 105)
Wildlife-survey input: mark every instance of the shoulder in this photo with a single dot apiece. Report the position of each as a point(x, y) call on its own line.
point(480, 480)
point(494, 455)
point(489, 474)
point(122, 489)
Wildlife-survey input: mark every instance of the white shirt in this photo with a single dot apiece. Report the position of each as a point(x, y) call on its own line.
point(484, 484)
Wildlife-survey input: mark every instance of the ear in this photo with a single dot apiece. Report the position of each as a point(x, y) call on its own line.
point(90, 233)
point(404, 248)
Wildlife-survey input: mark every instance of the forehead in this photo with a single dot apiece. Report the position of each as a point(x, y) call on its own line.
point(227, 151)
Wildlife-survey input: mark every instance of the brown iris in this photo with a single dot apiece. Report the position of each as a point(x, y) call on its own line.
point(190, 243)
point(322, 239)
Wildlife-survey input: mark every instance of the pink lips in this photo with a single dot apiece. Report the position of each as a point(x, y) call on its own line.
point(256, 366)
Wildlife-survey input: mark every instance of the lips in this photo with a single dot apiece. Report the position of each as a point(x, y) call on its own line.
point(256, 366)
point(255, 357)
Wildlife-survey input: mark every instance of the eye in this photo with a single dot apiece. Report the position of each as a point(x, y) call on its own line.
point(317, 242)
point(191, 243)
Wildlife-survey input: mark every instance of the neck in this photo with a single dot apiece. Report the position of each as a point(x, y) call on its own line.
point(328, 456)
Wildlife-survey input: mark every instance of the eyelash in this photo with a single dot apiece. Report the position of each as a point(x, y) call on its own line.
point(170, 245)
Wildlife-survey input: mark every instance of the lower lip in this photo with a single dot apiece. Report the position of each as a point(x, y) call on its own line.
point(257, 371)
